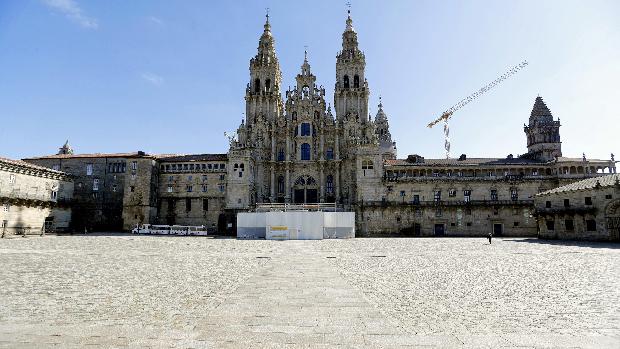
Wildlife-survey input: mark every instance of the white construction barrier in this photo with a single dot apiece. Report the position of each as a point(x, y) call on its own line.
point(296, 225)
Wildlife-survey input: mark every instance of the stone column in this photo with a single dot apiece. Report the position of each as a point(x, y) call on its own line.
point(322, 183)
point(273, 180)
point(287, 197)
point(337, 181)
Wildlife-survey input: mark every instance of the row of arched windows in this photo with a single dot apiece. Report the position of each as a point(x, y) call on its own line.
point(356, 81)
point(329, 183)
point(305, 153)
point(257, 85)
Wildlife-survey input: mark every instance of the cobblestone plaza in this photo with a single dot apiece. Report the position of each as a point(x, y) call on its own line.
point(119, 291)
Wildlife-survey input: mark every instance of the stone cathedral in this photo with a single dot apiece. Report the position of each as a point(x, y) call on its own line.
point(300, 148)
point(297, 150)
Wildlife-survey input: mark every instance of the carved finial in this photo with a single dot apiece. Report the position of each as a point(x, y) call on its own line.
point(613, 158)
point(267, 13)
point(584, 157)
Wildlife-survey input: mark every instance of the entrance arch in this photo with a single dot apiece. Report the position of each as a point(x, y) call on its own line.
point(305, 190)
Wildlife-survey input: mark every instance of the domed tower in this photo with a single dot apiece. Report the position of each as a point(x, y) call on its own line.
point(388, 147)
point(543, 133)
point(351, 91)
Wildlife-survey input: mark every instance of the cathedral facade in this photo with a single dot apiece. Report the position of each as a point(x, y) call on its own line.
point(297, 148)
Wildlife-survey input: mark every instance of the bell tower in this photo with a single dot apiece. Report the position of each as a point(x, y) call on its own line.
point(543, 133)
point(262, 96)
point(351, 91)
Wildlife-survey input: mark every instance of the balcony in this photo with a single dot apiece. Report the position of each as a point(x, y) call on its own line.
point(450, 203)
point(17, 195)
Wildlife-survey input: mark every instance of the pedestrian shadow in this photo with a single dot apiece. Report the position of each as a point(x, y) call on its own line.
point(577, 243)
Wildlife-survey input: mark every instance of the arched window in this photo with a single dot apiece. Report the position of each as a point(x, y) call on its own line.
point(257, 85)
point(305, 151)
point(346, 81)
point(281, 185)
point(268, 85)
point(329, 184)
point(305, 129)
point(356, 81)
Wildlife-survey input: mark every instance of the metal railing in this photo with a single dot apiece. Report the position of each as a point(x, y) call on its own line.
point(279, 207)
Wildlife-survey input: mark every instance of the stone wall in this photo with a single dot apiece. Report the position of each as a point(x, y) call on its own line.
point(586, 215)
point(33, 199)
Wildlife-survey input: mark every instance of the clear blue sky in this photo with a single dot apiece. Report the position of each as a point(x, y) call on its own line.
point(170, 76)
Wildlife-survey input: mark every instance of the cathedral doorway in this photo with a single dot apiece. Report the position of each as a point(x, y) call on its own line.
point(305, 190)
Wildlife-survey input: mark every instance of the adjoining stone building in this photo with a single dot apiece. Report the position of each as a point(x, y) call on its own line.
point(295, 149)
point(33, 199)
point(112, 191)
point(192, 190)
point(583, 210)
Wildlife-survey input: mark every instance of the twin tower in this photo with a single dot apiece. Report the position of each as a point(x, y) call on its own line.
point(295, 150)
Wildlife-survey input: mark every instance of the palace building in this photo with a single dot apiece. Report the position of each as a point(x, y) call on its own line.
point(296, 148)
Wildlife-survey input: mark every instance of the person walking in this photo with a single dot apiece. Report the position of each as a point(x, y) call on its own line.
point(490, 236)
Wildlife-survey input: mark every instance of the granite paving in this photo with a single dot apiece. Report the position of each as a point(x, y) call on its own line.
point(127, 291)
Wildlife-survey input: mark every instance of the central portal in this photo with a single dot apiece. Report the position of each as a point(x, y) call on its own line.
point(305, 190)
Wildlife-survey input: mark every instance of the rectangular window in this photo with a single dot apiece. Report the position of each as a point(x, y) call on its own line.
point(204, 188)
point(240, 174)
point(189, 178)
point(569, 224)
point(437, 195)
point(222, 166)
point(515, 224)
point(608, 196)
point(209, 166)
point(169, 189)
point(205, 204)
point(330, 153)
point(566, 203)
point(204, 178)
point(12, 179)
point(416, 199)
point(190, 188)
point(548, 204)
point(452, 193)
point(550, 225)
point(467, 195)
point(95, 184)
point(134, 165)
point(305, 129)
point(221, 177)
point(493, 195)
point(53, 195)
point(56, 167)
point(468, 224)
point(588, 200)
point(188, 205)
point(402, 193)
point(222, 188)
point(170, 178)
point(6, 207)
point(514, 194)
point(132, 189)
point(590, 225)
point(89, 169)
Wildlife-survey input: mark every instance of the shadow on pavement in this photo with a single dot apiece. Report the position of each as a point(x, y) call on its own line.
point(590, 244)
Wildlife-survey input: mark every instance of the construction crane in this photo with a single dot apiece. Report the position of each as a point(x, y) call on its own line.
point(445, 117)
